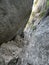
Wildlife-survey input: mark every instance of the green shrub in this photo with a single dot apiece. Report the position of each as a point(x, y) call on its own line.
point(47, 3)
point(42, 14)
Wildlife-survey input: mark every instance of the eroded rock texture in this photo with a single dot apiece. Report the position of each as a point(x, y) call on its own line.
point(2, 61)
point(38, 11)
point(13, 16)
point(37, 51)
point(9, 51)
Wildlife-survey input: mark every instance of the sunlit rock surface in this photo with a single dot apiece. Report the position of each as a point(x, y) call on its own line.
point(37, 33)
point(39, 5)
point(38, 11)
point(37, 51)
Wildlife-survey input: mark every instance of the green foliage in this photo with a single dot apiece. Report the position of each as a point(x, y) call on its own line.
point(47, 3)
point(33, 27)
point(35, 2)
point(42, 14)
point(33, 14)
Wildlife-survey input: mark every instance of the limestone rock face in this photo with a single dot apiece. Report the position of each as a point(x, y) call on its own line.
point(38, 12)
point(39, 5)
point(13, 16)
point(37, 51)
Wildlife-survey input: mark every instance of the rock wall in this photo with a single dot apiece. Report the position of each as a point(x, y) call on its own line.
point(39, 5)
point(36, 48)
point(38, 12)
point(13, 16)
point(37, 52)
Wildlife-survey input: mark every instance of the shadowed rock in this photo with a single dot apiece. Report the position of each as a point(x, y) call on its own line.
point(47, 13)
point(13, 17)
point(2, 62)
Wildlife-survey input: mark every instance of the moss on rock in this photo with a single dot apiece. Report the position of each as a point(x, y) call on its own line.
point(42, 14)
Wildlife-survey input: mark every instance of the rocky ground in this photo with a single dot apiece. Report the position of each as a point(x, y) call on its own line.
point(9, 51)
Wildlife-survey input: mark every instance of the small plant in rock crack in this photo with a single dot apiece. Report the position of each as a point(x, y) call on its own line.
point(33, 27)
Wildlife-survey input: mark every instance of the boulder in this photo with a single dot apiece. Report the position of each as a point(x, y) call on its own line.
point(13, 17)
